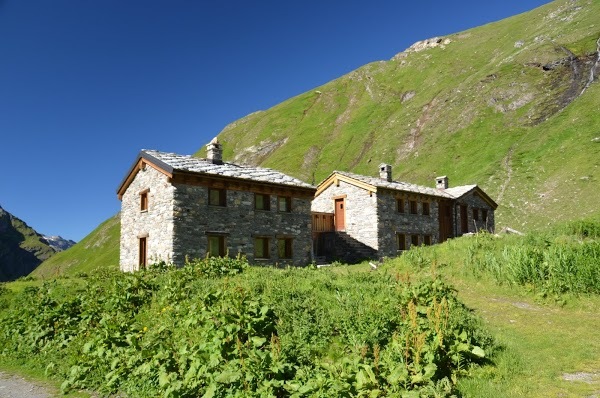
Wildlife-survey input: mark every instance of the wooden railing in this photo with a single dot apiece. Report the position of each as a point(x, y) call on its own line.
point(322, 222)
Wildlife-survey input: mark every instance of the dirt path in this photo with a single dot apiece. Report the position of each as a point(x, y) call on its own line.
point(12, 386)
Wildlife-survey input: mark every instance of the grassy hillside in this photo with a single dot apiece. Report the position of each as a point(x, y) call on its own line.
point(100, 249)
point(498, 105)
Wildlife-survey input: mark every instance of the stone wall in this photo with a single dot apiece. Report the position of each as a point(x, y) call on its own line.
point(360, 211)
point(240, 223)
point(474, 201)
point(391, 221)
point(156, 223)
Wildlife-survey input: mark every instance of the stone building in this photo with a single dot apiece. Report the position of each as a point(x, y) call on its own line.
point(357, 217)
point(176, 207)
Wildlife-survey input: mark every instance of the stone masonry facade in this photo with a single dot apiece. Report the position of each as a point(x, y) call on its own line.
point(155, 224)
point(240, 223)
point(397, 223)
point(391, 216)
point(360, 211)
point(166, 214)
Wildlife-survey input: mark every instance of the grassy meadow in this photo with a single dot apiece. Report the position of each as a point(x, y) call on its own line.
point(477, 316)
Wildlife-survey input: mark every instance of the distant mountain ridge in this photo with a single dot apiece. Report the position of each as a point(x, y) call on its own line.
point(59, 243)
point(22, 249)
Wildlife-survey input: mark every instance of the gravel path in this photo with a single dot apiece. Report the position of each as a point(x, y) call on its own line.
point(12, 386)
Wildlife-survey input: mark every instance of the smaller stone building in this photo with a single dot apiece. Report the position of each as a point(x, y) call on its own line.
point(379, 217)
point(176, 207)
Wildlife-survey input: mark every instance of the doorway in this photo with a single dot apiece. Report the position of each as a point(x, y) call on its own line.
point(340, 214)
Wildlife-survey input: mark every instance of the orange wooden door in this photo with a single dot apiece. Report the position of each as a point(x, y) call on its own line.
point(340, 215)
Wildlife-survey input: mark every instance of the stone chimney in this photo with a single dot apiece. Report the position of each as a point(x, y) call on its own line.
point(214, 152)
point(441, 182)
point(385, 172)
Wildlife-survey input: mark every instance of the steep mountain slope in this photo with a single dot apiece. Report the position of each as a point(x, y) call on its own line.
point(22, 249)
point(513, 106)
point(100, 249)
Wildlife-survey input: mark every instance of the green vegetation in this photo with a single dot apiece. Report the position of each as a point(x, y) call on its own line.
point(100, 249)
point(481, 109)
point(544, 324)
point(262, 332)
point(219, 327)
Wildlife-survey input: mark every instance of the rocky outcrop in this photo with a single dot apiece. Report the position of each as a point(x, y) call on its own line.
point(434, 42)
point(22, 249)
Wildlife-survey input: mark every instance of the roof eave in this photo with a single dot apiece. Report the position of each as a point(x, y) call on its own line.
point(142, 159)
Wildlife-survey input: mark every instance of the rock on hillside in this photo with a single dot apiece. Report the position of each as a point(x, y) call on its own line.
point(22, 249)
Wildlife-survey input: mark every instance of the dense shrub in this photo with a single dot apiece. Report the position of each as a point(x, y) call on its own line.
point(255, 332)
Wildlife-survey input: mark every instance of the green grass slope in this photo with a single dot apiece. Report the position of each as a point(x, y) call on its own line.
point(500, 105)
point(100, 249)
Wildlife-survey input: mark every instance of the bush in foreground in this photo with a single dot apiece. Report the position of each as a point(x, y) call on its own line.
point(262, 332)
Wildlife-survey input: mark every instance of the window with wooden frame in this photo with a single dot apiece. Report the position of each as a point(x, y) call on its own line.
point(425, 208)
point(476, 214)
point(261, 247)
point(284, 204)
point(400, 206)
point(401, 241)
point(284, 247)
point(413, 207)
point(144, 200)
point(217, 197)
point(427, 240)
point(262, 201)
point(216, 246)
point(143, 253)
point(414, 240)
point(484, 215)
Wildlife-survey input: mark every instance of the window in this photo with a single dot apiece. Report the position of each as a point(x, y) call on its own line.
point(284, 203)
point(216, 246)
point(144, 200)
point(427, 240)
point(414, 240)
point(400, 206)
point(484, 215)
point(413, 207)
point(143, 253)
point(284, 247)
point(401, 241)
point(425, 208)
point(216, 197)
point(476, 214)
point(261, 248)
point(262, 202)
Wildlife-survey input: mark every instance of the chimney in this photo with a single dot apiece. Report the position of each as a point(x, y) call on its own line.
point(385, 172)
point(441, 182)
point(214, 152)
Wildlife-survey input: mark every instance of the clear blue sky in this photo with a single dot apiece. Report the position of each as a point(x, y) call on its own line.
point(86, 84)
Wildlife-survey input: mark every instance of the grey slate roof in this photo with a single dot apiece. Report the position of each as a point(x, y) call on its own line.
point(192, 164)
point(457, 192)
point(450, 193)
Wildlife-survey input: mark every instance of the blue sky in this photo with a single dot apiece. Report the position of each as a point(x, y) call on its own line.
point(86, 84)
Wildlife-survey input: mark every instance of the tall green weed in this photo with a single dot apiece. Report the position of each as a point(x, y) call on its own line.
point(186, 332)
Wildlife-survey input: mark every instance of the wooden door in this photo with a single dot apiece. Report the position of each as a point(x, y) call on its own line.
point(340, 215)
point(464, 219)
point(445, 216)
